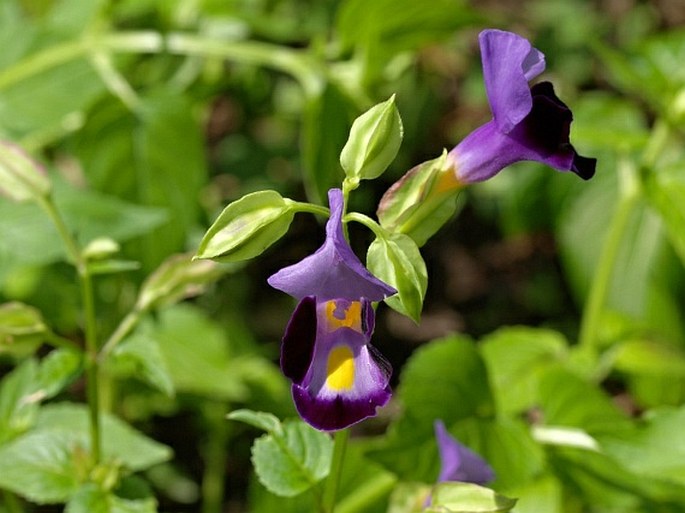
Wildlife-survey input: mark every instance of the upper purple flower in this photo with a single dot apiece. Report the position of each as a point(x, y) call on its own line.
point(338, 377)
point(334, 271)
point(458, 462)
point(529, 123)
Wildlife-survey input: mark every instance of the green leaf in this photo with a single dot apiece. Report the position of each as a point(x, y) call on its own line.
point(598, 479)
point(40, 466)
point(195, 350)
point(90, 499)
point(453, 366)
point(567, 400)
point(649, 357)
point(468, 498)
point(21, 178)
point(50, 102)
point(247, 227)
point(21, 328)
point(294, 462)
point(655, 449)
point(397, 261)
point(643, 272)
point(515, 357)
point(381, 29)
point(179, 277)
point(29, 237)
point(120, 441)
point(170, 169)
point(623, 127)
point(259, 419)
point(375, 138)
point(140, 356)
point(57, 370)
point(18, 406)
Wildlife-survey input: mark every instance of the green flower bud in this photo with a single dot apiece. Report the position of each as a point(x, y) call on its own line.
point(374, 140)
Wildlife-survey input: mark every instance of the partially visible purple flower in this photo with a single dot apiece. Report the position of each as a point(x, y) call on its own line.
point(338, 377)
point(529, 123)
point(458, 462)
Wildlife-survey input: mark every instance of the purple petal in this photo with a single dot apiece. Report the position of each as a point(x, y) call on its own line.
point(509, 63)
point(542, 136)
point(297, 347)
point(347, 378)
point(546, 130)
point(334, 271)
point(330, 402)
point(458, 462)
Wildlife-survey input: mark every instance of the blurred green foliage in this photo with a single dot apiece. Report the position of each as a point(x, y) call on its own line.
point(151, 115)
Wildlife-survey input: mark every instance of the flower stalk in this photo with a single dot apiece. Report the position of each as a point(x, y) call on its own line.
point(340, 440)
point(90, 330)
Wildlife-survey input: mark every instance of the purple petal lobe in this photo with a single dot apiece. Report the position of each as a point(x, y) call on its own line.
point(509, 63)
point(542, 136)
point(334, 271)
point(297, 347)
point(458, 462)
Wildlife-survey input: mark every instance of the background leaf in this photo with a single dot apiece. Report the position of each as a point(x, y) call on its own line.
point(288, 465)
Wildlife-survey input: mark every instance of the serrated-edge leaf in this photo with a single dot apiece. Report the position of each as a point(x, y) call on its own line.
point(145, 356)
point(120, 441)
point(294, 463)
point(91, 499)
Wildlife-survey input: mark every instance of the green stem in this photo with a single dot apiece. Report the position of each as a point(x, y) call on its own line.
point(87, 298)
point(299, 206)
point(123, 329)
point(601, 282)
point(333, 481)
point(367, 494)
point(296, 64)
point(293, 62)
point(214, 458)
point(372, 225)
point(115, 82)
point(92, 367)
point(60, 342)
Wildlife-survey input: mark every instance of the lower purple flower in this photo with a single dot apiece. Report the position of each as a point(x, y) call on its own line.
point(458, 462)
point(338, 377)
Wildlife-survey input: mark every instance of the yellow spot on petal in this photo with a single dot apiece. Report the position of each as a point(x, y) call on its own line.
point(340, 369)
point(339, 317)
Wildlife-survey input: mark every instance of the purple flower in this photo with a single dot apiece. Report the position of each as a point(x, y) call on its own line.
point(529, 123)
point(338, 377)
point(459, 463)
